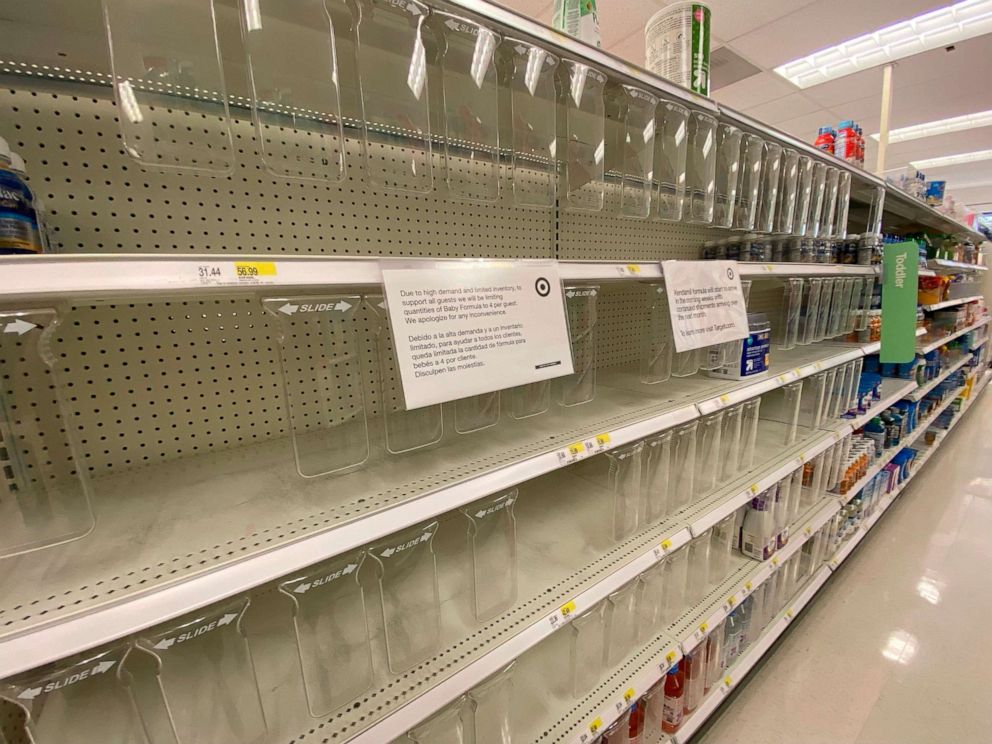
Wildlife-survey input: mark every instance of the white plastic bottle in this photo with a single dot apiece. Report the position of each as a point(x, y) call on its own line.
point(758, 537)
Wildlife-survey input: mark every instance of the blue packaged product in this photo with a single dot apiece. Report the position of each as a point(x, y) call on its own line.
point(755, 350)
point(907, 424)
point(875, 430)
point(19, 232)
point(864, 397)
point(874, 383)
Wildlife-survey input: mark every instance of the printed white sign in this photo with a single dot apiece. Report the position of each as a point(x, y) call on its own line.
point(705, 302)
point(468, 330)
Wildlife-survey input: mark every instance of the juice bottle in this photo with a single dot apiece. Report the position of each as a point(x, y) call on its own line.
point(637, 714)
point(825, 140)
point(714, 658)
point(694, 665)
point(674, 699)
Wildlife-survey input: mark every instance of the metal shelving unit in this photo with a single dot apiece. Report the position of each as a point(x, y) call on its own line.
point(936, 344)
point(951, 303)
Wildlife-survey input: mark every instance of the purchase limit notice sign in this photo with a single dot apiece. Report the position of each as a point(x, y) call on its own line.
point(705, 302)
point(472, 328)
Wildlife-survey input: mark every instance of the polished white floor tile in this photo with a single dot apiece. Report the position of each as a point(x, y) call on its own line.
point(897, 648)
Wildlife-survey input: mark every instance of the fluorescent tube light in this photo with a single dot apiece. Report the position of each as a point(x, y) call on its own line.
point(964, 157)
point(938, 28)
point(941, 126)
point(955, 186)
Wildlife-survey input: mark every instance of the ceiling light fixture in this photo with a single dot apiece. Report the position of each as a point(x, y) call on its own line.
point(942, 126)
point(938, 28)
point(955, 186)
point(964, 157)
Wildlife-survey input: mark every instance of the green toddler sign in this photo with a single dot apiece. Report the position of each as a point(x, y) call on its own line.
point(899, 285)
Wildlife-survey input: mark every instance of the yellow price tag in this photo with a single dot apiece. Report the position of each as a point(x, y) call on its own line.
point(754, 488)
point(576, 449)
point(774, 560)
point(670, 657)
point(808, 530)
point(666, 544)
point(629, 695)
point(748, 585)
point(731, 600)
point(724, 399)
point(788, 613)
point(596, 725)
point(703, 627)
point(602, 439)
point(728, 681)
point(253, 269)
point(633, 268)
point(567, 609)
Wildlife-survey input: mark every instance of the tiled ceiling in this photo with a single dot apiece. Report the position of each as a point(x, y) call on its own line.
point(766, 33)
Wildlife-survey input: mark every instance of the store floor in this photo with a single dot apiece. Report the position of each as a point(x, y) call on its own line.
point(897, 648)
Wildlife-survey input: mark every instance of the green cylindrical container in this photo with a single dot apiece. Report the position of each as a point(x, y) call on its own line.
point(577, 18)
point(677, 45)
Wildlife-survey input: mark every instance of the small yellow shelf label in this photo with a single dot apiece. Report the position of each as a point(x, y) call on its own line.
point(253, 269)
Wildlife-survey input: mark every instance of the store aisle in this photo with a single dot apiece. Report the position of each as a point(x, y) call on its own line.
point(896, 649)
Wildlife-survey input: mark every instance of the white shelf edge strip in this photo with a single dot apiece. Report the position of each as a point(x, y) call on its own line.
point(876, 346)
point(980, 344)
point(951, 303)
point(921, 392)
point(53, 275)
point(748, 268)
point(945, 263)
point(750, 657)
point(937, 344)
